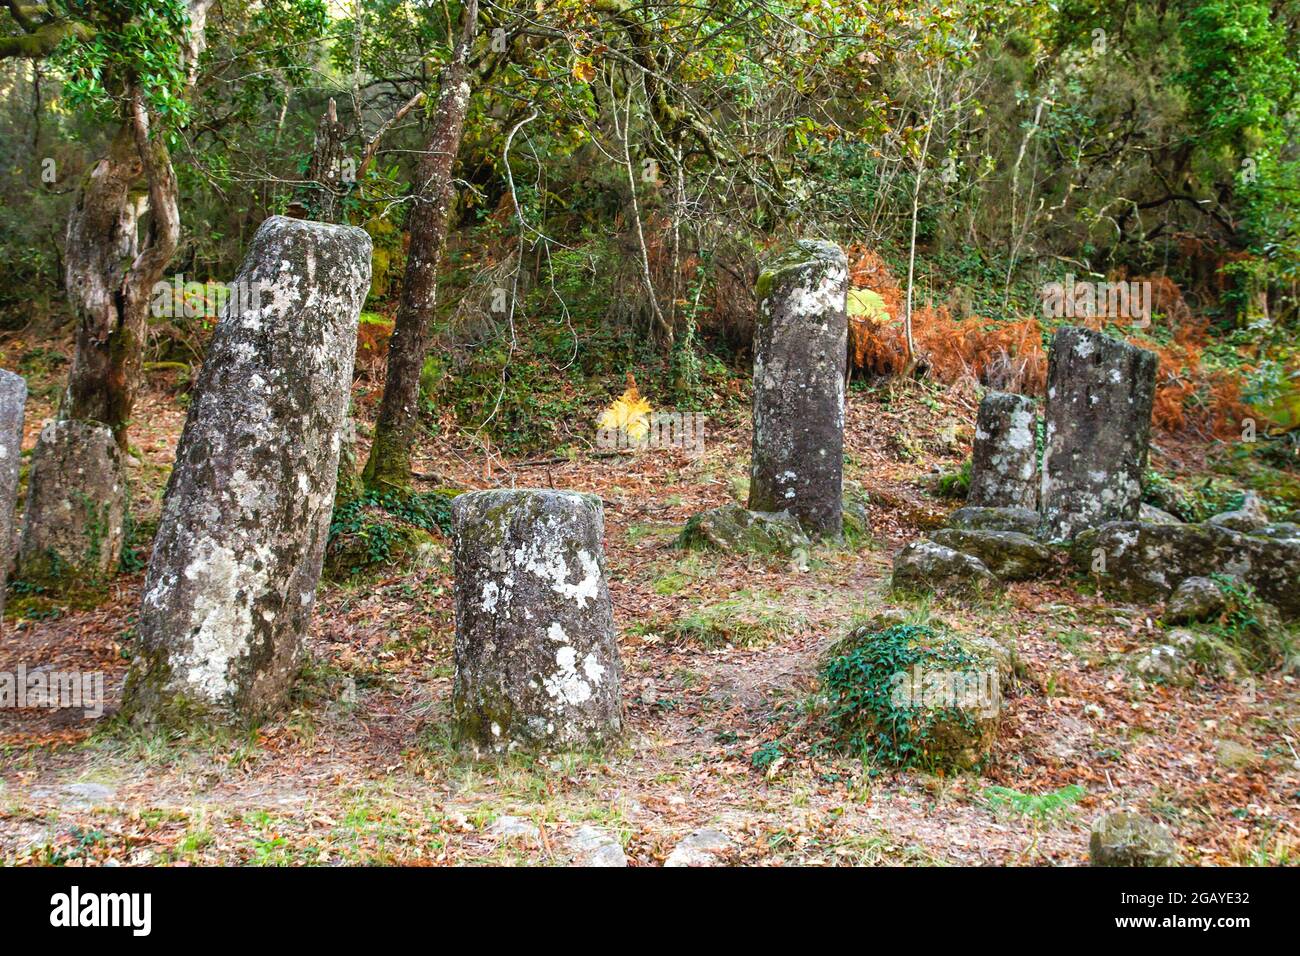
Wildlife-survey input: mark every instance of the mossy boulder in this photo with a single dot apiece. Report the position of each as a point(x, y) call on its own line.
point(1250, 517)
point(734, 529)
point(973, 518)
point(1195, 599)
point(1127, 839)
point(1146, 562)
point(924, 567)
point(1010, 555)
point(375, 543)
point(913, 695)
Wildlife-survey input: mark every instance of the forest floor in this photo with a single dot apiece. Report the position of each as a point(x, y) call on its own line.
point(720, 654)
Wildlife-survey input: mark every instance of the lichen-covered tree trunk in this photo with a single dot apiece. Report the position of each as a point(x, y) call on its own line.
point(13, 403)
point(110, 275)
point(389, 465)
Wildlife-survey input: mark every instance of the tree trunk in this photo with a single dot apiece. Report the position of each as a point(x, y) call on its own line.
point(389, 465)
point(110, 278)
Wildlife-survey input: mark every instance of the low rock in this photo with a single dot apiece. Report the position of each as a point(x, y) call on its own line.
point(1157, 515)
point(1282, 530)
point(700, 848)
point(378, 542)
point(973, 518)
point(732, 528)
point(1234, 756)
point(1010, 555)
point(1168, 663)
point(1195, 599)
point(1126, 839)
point(593, 846)
point(1251, 516)
point(926, 566)
point(939, 712)
point(513, 828)
point(1146, 562)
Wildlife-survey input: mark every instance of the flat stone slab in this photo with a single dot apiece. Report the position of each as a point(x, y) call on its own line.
point(700, 848)
point(1146, 562)
point(978, 518)
point(1010, 555)
point(732, 528)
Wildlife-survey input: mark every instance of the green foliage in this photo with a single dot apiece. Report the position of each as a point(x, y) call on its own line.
point(859, 684)
point(1040, 807)
point(362, 536)
point(956, 484)
point(139, 42)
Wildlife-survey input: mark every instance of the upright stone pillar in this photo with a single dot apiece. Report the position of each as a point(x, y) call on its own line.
point(537, 664)
point(1004, 463)
point(76, 508)
point(13, 403)
point(1099, 396)
point(237, 557)
point(800, 348)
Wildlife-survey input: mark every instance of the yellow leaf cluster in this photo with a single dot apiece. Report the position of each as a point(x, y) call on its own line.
point(629, 412)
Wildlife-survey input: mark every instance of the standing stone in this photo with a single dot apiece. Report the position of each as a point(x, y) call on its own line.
point(1004, 463)
point(233, 575)
point(537, 663)
point(1099, 396)
point(800, 348)
point(76, 508)
point(13, 402)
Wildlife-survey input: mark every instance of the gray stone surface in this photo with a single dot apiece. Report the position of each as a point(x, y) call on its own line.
point(1004, 463)
point(76, 508)
point(1099, 396)
point(1146, 562)
point(1010, 555)
point(1195, 599)
point(1157, 515)
point(926, 566)
point(1250, 517)
point(699, 848)
point(537, 663)
point(232, 579)
point(1022, 520)
point(1126, 839)
point(732, 528)
point(800, 349)
point(594, 846)
point(13, 403)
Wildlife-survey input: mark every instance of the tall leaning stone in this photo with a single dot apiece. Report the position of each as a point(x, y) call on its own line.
point(13, 403)
point(1099, 396)
point(800, 348)
point(537, 664)
point(1004, 463)
point(76, 508)
point(237, 557)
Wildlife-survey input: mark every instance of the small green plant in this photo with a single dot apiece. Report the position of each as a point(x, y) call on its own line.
point(956, 484)
point(766, 755)
point(1040, 809)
